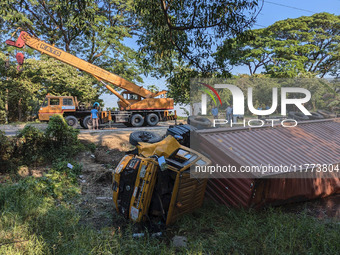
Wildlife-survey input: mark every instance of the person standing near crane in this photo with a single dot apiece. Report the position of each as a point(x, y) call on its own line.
point(94, 117)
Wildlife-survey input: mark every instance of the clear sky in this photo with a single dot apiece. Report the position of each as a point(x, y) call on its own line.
point(272, 11)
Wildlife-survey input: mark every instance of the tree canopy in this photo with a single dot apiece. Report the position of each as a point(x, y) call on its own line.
point(190, 31)
point(308, 45)
point(88, 29)
point(170, 34)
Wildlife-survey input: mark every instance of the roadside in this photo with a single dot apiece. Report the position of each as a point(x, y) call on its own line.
point(11, 130)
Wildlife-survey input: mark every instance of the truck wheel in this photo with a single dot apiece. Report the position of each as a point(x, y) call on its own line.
point(298, 116)
point(199, 122)
point(71, 121)
point(326, 114)
point(315, 116)
point(87, 122)
point(137, 120)
point(144, 136)
point(152, 119)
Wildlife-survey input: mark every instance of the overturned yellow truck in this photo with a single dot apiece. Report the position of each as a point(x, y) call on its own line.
point(154, 183)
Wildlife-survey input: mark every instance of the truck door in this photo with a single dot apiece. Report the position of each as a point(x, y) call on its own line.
point(50, 107)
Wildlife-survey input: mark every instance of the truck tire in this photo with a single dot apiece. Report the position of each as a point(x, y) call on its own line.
point(298, 116)
point(199, 122)
point(137, 120)
point(71, 121)
point(87, 122)
point(326, 114)
point(144, 136)
point(152, 119)
point(315, 116)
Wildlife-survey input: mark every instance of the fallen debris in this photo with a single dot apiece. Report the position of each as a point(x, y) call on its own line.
point(104, 198)
point(179, 241)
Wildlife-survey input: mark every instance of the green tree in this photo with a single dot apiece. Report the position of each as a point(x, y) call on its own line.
point(89, 29)
point(189, 30)
point(177, 38)
point(27, 89)
point(306, 46)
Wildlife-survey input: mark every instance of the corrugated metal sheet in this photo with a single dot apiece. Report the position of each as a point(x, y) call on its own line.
point(314, 142)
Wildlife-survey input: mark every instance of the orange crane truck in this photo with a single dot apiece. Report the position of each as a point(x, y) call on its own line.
point(137, 105)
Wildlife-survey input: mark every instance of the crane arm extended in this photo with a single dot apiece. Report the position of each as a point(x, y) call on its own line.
point(99, 73)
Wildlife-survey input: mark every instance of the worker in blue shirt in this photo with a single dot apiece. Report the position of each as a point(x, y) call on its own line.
point(94, 117)
point(214, 112)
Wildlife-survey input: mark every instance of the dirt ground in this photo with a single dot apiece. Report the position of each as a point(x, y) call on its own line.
point(96, 205)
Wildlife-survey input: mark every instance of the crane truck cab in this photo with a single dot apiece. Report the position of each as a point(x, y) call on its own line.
point(130, 97)
point(56, 105)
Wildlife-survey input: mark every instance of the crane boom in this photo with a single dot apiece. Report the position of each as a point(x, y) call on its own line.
point(35, 43)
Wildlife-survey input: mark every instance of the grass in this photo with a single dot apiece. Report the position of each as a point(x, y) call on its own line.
point(39, 216)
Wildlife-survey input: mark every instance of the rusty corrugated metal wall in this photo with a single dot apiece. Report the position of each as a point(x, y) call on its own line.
point(314, 142)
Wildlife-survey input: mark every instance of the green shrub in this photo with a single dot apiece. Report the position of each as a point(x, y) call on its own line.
point(6, 153)
point(2, 117)
point(59, 133)
point(61, 140)
point(61, 166)
point(31, 145)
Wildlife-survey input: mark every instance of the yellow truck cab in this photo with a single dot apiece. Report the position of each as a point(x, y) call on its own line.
point(56, 105)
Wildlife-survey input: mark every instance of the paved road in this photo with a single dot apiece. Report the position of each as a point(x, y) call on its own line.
point(11, 130)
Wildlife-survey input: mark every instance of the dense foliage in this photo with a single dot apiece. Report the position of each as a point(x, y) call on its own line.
point(34, 147)
point(190, 31)
point(178, 40)
point(308, 46)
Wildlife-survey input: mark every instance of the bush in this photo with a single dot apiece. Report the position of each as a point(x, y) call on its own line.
point(33, 146)
point(59, 133)
point(6, 152)
point(2, 117)
point(61, 166)
point(62, 140)
point(30, 145)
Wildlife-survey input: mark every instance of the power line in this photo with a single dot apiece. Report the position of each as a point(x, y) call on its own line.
point(259, 25)
point(291, 7)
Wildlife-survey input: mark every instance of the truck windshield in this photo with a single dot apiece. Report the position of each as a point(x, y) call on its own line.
point(54, 101)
